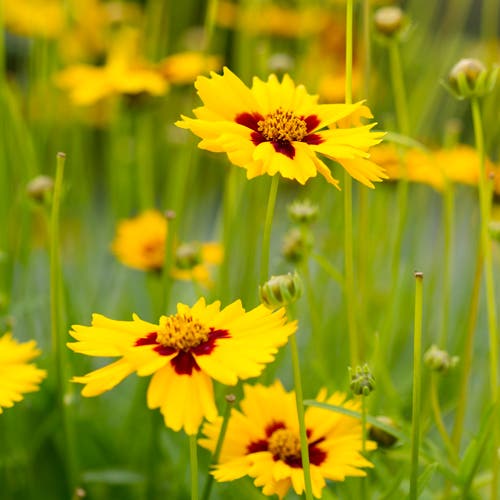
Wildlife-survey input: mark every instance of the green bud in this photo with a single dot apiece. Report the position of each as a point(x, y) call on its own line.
point(188, 255)
point(297, 245)
point(303, 212)
point(281, 290)
point(362, 381)
point(389, 20)
point(494, 229)
point(438, 360)
point(470, 78)
point(380, 436)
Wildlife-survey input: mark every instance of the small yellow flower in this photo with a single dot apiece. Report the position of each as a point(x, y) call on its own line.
point(262, 441)
point(140, 244)
point(124, 73)
point(17, 375)
point(277, 127)
point(184, 67)
point(39, 18)
point(184, 352)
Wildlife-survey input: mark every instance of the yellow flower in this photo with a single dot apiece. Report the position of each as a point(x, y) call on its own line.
point(183, 352)
point(43, 18)
point(124, 73)
point(278, 127)
point(186, 66)
point(140, 244)
point(262, 441)
point(17, 376)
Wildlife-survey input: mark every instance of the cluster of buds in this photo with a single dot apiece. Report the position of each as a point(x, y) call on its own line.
point(362, 381)
point(438, 360)
point(281, 291)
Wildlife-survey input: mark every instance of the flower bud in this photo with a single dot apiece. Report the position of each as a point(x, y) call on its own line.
point(296, 245)
point(470, 78)
point(389, 20)
point(303, 212)
point(281, 290)
point(40, 188)
point(188, 255)
point(362, 381)
point(438, 360)
point(494, 229)
point(383, 438)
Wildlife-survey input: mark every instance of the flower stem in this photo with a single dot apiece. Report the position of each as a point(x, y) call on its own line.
point(266, 238)
point(56, 315)
point(349, 14)
point(168, 261)
point(438, 420)
point(485, 204)
point(299, 399)
point(417, 379)
point(218, 448)
point(363, 442)
point(193, 458)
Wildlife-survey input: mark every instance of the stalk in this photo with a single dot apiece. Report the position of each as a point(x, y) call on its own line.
point(193, 458)
point(266, 238)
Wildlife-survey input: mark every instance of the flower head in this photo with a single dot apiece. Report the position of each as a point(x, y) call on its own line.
point(140, 244)
point(17, 375)
point(183, 352)
point(262, 441)
point(277, 127)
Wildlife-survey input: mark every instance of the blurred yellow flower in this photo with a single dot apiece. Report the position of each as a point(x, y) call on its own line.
point(277, 127)
point(38, 18)
point(184, 352)
point(124, 73)
point(186, 66)
point(17, 375)
point(262, 441)
point(140, 244)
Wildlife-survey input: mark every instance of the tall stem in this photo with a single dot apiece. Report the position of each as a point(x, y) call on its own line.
point(299, 399)
point(417, 380)
point(266, 238)
point(348, 238)
point(193, 458)
point(56, 315)
point(485, 204)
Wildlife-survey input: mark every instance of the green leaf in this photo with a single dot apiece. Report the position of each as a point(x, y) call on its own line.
point(351, 413)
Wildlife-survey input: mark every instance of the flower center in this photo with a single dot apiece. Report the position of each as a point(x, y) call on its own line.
point(282, 126)
point(181, 332)
point(284, 444)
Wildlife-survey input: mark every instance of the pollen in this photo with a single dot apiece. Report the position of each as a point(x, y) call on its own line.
point(283, 126)
point(182, 332)
point(284, 445)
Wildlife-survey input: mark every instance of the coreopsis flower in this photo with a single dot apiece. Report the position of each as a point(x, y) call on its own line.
point(184, 352)
point(184, 67)
point(277, 127)
point(17, 375)
point(262, 441)
point(125, 73)
point(140, 244)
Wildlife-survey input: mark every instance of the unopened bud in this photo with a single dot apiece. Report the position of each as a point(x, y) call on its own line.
point(40, 188)
point(389, 20)
point(470, 78)
point(494, 229)
point(188, 255)
point(362, 381)
point(438, 360)
point(281, 290)
point(381, 436)
point(296, 245)
point(303, 212)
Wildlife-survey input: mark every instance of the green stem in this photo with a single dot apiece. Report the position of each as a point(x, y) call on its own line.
point(266, 238)
point(438, 419)
point(399, 89)
point(363, 442)
point(193, 458)
point(168, 262)
point(467, 354)
point(367, 22)
point(209, 25)
point(417, 379)
point(56, 315)
point(448, 212)
point(218, 447)
point(299, 399)
point(485, 204)
point(349, 14)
